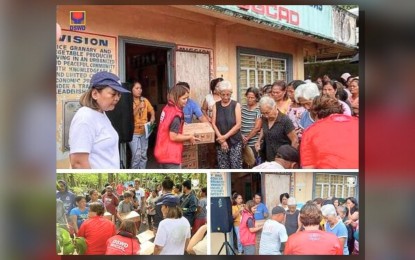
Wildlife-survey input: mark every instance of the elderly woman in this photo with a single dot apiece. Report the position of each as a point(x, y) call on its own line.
point(304, 95)
point(277, 129)
point(335, 226)
point(96, 230)
point(292, 217)
point(333, 141)
point(226, 122)
point(296, 110)
point(93, 140)
point(312, 241)
point(251, 120)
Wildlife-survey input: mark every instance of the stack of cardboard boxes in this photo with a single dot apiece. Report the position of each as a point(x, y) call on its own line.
point(206, 134)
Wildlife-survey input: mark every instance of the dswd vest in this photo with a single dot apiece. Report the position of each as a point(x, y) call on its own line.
point(167, 151)
point(247, 237)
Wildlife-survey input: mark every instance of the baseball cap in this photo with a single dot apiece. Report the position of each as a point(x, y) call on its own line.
point(105, 78)
point(278, 210)
point(169, 200)
point(345, 76)
point(288, 153)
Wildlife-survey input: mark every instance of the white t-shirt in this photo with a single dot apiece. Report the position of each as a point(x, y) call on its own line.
point(269, 165)
point(201, 247)
point(139, 194)
point(273, 234)
point(172, 235)
point(92, 132)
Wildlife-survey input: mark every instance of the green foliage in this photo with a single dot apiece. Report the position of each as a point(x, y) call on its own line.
point(67, 244)
point(80, 245)
point(86, 181)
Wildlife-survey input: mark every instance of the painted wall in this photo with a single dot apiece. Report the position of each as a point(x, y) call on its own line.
point(181, 27)
point(303, 186)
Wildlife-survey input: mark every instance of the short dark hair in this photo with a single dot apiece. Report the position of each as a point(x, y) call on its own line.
point(79, 198)
point(284, 195)
point(182, 83)
point(258, 194)
point(295, 83)
point(128, 194)
point(167, 184)
point(213, 83)
point(187, 184)
point(254, 91)
point(178, 186)
point(204, 190)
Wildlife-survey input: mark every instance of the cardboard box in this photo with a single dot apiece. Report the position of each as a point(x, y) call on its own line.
point(190, 164)
point(190, 152)
point(204, 131)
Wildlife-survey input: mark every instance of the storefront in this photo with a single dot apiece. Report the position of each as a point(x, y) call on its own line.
point(161, 45)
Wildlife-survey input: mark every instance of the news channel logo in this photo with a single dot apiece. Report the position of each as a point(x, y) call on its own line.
point(77, 20)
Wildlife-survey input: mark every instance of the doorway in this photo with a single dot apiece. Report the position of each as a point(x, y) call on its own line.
point(151, 64)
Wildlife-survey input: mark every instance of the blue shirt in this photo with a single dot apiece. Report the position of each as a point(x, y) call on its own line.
point(261, 209)
point(306, 120)
point(339, 230)
point(191, 108)
point(81, 215)
point(68, 199)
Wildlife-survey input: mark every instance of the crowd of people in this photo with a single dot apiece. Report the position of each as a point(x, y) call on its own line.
point(318, 119)
point(320, 227)
point(174, 213)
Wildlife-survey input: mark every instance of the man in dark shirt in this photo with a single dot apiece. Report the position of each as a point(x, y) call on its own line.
point(188, 202)
point(167, 186)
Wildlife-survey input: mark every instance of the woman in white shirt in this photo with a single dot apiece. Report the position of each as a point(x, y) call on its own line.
point(93, 140)
point(173, 233)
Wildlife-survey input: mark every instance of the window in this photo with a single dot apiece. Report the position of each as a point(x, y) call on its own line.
point(257, 71)
point(334, 185)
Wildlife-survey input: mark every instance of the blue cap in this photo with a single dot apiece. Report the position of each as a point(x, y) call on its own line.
point(105, 78)
point(169, 200)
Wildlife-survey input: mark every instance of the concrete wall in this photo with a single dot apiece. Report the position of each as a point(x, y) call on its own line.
point(182, 27)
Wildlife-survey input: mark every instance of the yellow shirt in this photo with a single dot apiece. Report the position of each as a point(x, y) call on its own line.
point(285, 106)
point(140, 116)
point(237, 220)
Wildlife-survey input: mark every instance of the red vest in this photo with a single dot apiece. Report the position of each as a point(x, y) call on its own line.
point(167, 151)
point(247, 237)
point(120, 245)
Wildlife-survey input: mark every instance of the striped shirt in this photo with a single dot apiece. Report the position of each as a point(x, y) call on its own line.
point(248, 122)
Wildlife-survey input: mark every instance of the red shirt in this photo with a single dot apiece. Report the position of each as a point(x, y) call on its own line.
point(96, 231)
point(313, 242)
point(110, 203)
point(331, 143)
point(120, 189)
point(120, 245)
